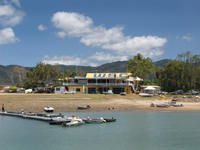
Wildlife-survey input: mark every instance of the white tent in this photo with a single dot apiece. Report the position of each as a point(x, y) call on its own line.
point(150, 88)
point(138, 79)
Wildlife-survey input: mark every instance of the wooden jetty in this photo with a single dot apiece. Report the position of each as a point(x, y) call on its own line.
point(26, 116)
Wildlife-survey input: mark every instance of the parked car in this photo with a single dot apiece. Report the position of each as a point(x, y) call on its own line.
point(180, 92)
point(20, 90)
point(193, 92)
point(163, 93)
point(28, 91)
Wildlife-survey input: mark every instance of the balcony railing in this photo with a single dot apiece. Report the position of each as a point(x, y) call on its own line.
point(98, 84)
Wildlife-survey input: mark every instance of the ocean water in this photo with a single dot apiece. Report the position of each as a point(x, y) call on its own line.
point(137, 130)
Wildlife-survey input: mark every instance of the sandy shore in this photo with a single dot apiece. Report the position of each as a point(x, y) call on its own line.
point(69, 103)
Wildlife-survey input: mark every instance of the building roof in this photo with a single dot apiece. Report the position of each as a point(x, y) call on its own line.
point(107, 75)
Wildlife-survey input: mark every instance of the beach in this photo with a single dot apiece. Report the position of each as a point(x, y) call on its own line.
point(98, 102)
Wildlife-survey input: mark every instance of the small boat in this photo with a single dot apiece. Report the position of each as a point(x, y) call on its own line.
point(73, 123)
point(54, 115)
point(84, 107)
point(123, 93)
point(58, 122)
point(146, 95)
point(162, 105)
point(173, 102)
point(43, 114)
point(178, 105)
point(110, 119)
point(152, 105)
point(94, 121)
point(48, 109)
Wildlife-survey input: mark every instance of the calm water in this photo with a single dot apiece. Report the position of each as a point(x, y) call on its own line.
point(133, 131)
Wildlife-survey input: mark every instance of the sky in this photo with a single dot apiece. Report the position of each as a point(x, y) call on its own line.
point(94, 32)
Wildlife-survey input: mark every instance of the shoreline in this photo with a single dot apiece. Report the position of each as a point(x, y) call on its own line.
point(98, 103)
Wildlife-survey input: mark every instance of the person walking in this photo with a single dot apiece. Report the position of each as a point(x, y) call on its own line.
point(3, 109)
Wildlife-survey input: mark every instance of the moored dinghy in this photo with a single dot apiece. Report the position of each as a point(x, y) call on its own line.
point(59, 121)
point(48, 109)
point(145, 95)
point(163, 105)
point(178, 105)
point(110, 119)
point(94, 121)
point(73, 123)
point(84, 107)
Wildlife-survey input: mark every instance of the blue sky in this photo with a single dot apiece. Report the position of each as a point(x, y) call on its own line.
point(92, 32)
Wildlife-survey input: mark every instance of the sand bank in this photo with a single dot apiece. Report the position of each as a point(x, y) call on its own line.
point(69, 103)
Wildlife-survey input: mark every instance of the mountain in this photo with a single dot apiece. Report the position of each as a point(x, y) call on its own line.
point(161, 63)
point(13, 74)
point(118, 66)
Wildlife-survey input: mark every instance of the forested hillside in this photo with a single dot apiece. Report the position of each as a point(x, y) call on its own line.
point(13, 74)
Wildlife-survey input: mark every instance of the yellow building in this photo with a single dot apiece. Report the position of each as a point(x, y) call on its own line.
point(115, 83)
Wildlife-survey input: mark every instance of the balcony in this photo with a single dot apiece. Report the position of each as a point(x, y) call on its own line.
point(98, 84)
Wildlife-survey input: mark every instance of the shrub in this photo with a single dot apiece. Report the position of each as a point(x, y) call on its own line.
point(13, 89)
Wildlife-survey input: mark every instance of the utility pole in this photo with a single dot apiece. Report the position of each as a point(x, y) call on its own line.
point(96, 76)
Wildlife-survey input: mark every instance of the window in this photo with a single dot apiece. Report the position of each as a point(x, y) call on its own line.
point(57, 89)
point(78, 89)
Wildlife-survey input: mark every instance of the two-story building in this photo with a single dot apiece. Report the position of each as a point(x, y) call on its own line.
point(101, 83)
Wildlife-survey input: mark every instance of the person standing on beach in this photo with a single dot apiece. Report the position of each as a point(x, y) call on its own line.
point(3, 109)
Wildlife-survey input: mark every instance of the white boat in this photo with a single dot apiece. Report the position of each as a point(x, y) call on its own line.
point(146, 95)
point(178, 105)
point(163, 105)
point(48, 109)
point(94, 121)
point(73, 123)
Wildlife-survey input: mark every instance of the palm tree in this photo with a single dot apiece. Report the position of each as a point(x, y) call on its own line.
point(140, 66)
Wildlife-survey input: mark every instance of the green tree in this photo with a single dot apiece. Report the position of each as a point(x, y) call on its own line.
point(41, 75)
point(181, 73)
point(140, 66)
point(170, 77)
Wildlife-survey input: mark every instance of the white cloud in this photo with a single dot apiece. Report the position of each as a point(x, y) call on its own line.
point(93, 60)
point(184, 37)
point(6, 10)
point(119, 47)
point(61, 34)
point(67, 60)
point(11, 2)
point(42, 27)
point(7, 35)
point(16, 2)
point(106, 57)
point(113, 39)
point(73, 24)
point(10, 16)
